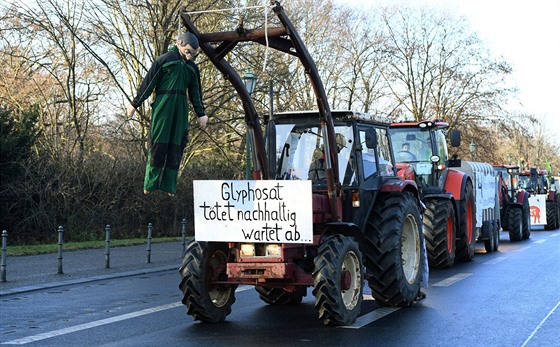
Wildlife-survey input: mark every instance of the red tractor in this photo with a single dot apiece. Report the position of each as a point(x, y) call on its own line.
point(514, 203)
point(366, 222)
point(456, 214)
point(537, 183)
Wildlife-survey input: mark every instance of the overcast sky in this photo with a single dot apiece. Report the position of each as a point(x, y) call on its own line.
point(527, 34)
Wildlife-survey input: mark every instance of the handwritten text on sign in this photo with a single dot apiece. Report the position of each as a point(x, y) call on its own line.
point(253, 211)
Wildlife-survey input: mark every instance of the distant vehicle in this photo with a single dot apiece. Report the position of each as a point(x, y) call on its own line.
point(515, 210)
point(542, 199)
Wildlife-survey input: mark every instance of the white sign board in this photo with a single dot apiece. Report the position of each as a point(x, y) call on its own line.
point(260, 211)
point(537, 205)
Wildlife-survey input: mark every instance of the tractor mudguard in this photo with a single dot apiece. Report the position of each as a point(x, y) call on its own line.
point(399, 186)
point(455, 183)
point(521, 196)
point(551, 196)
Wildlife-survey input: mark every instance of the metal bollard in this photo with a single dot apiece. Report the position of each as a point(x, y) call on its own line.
point(149, 248)
point(4, 255)
point(107, 245)
point(60, 231)
point(184, 234)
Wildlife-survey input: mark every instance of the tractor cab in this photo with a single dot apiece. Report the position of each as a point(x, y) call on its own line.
point(420, 150)
point(534, 181)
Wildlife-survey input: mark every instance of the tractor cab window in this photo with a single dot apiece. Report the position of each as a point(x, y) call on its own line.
point(378, 160)
point(300, 152)
point(411, 144)
point(441, 146)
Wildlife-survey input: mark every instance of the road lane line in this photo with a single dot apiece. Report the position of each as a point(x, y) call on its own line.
point(540, 324)
point(521, 249)
point(451, 280)
point(90, 325)
point(367, 318)
point(540, 241)
point(554, 235)
point(495, 260)
point(94, 324)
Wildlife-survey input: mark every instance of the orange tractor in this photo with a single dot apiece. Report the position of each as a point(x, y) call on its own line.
point(460, 196)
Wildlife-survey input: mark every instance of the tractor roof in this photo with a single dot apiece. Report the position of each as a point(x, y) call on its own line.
point(337, 115)
point(438, 124)
point(528, 173)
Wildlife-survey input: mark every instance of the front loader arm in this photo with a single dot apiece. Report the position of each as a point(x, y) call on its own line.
point(287, 40)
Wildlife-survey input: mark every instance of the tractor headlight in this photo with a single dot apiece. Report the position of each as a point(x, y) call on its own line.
point(247, 250)
point(273, 250)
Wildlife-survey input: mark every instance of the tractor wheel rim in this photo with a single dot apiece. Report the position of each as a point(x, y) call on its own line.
point(351, 280)
point(410, 249)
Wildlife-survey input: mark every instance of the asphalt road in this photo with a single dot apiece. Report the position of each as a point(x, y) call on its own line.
point(505, 298)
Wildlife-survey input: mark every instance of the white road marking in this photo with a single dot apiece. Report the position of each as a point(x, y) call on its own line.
point(89, 325)
point(94, 324)
point(555, 235)
point(495, 260)
point(451, 280)
point(367, 318)
point(521, 249)
point(540, 324)
point(540, 241)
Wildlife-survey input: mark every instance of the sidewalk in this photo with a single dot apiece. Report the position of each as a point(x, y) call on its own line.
point(28, 273)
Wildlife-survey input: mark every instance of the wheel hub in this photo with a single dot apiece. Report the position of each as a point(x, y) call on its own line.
point(345, 280)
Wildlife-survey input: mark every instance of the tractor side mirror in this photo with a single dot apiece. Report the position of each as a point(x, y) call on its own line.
point(371, 138)
point(455, 138)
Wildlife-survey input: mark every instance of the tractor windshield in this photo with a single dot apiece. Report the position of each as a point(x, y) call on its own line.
point(300, 151)
point(411, 144)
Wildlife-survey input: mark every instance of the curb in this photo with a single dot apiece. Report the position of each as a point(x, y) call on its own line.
point(86, 280)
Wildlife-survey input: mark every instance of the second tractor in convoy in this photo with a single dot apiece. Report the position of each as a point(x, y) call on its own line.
point(460, 196)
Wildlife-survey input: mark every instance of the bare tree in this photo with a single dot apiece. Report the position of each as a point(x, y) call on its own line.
point(438, 68)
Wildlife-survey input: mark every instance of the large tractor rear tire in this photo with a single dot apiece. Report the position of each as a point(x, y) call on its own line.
point(395, 251)
point(204, 263)
point(526, 224)
point(515, 220)
point(279, 296)
point(439, 232)
point(466, 242)
point(338, 280)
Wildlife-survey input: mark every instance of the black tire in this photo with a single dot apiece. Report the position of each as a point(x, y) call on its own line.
point(496, 235)
point(552, 214)
point(203, 263)
point(395, 256)
point(439, 232)
point(279, 296)
point(466, 241)
point(503, 216)
point(526, 223)
point(488, 243)
point(338, 280)
point(515, 220)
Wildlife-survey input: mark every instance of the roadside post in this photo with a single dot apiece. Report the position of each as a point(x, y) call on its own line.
point(149, 248)
point(60, 242)
point(107, 245)
point(4, 255)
